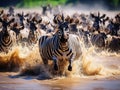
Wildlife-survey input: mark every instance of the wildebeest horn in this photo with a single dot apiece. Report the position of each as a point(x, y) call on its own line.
point(26, 15)
point(107, 18)
point(103, 16)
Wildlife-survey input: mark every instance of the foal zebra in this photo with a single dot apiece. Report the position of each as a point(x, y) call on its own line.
point(59, 47)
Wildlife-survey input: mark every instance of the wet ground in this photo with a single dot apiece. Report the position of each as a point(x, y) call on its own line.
point(84, 83)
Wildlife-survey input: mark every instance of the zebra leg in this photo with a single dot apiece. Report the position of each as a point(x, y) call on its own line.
point(70, 66)
point(55, 63)
point(45, 61)
point(70, 61)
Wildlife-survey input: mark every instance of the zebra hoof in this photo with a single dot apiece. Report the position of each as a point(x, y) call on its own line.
point(70, 68)
point(56, 67)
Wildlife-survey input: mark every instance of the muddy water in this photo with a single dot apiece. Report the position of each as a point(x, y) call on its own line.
point(94, 71)
point(84, 83)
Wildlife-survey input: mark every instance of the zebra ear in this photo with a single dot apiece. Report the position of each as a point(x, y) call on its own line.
point(67, 19)
point(76, 21)
point(40, 20)
point(47, 23)
point(1, 12)
point(19, 14)
point(59, 22)
point(55, 19)
point(98, 14)
point(62, 17)
point(28, 20)
point(71, 20)
point(92, 15)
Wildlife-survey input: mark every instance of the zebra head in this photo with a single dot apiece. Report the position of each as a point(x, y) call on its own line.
point(21, 18)
point(5, 36)
point(63, 30)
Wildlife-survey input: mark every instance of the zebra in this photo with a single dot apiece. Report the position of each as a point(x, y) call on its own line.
point(60, 47)
point(5, 38)
point(32, 38)
point(97, 20)
point(98, 40)
point(5, 41)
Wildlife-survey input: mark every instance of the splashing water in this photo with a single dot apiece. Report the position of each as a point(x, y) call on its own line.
point(17, 57)
point(100, 63)
point(28, 61)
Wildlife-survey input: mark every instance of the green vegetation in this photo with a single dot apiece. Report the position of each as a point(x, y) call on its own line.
point(110, 4)
point(36, 3)
point(115, 2)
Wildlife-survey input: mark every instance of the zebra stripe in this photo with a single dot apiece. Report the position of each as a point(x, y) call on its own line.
point(98, 40)
point(5, 41)
point(32, 38)
point(46, 46)
point(51, 48)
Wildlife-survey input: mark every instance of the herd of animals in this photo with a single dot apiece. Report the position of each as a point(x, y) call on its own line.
point(59, 38)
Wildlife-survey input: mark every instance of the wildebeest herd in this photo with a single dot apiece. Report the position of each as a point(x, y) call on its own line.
point(59, 38)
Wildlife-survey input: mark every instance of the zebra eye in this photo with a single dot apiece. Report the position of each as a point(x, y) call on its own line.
point(66, 29)
point(59, 32)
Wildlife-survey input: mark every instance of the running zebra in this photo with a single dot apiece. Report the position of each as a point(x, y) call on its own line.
point(59, 46)
point(5, 41)
point(98, 40)
point(5, 37)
